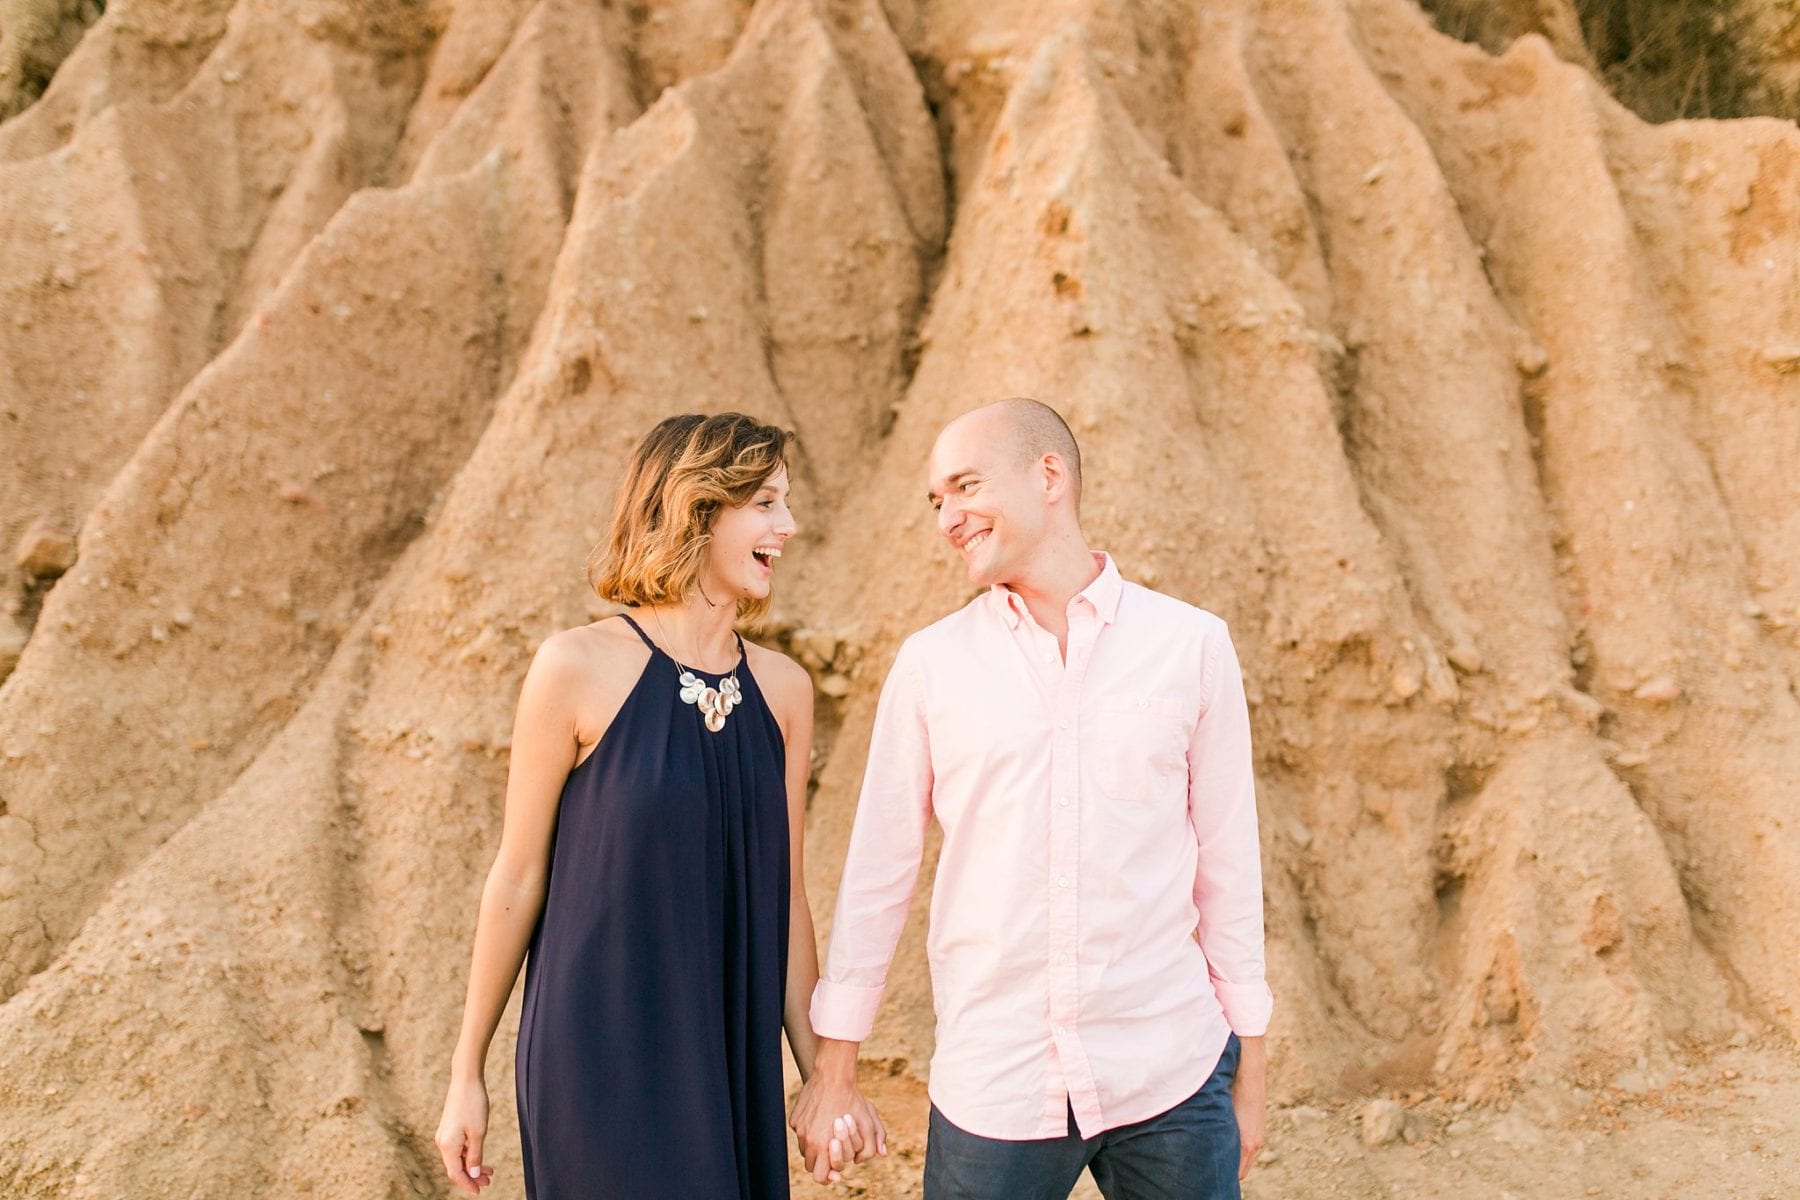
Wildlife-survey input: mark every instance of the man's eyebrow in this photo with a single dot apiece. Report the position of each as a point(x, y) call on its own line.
point(951, 481)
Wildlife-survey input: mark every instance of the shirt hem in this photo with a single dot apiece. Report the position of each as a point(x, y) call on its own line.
point(1152, 1102)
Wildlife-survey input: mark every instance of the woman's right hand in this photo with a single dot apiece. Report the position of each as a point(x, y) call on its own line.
point(460, 1134)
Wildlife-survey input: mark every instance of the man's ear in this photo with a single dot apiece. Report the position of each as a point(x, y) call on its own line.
point(1056, 476)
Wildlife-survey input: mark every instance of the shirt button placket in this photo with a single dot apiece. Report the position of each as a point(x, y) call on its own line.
point(1065, 837)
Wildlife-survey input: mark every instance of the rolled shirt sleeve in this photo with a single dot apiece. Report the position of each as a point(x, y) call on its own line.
point(1228, 875)
point(881, 869)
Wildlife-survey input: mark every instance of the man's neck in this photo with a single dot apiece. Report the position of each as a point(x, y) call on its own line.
point(1052, 579)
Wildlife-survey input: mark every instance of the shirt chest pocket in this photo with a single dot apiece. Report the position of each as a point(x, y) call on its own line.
point(1140, 749)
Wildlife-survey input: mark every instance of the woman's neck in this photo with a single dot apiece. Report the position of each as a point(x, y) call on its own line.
point(696, 632)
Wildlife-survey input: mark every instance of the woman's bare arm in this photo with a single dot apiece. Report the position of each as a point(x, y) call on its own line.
point(793, 694)
point(858, 1135)
point(545, 744)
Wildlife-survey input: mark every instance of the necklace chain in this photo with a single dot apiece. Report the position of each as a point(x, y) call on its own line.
point(715, 704)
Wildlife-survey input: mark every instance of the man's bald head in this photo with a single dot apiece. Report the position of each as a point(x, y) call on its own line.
point(1005, 481)
point(1031, 429)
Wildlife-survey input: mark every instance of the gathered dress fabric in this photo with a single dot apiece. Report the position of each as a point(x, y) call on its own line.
point(649, 1053)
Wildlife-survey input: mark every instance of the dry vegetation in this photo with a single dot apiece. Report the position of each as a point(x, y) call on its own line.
point(1665, 59)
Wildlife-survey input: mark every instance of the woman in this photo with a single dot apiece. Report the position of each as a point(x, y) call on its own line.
point(650, 856)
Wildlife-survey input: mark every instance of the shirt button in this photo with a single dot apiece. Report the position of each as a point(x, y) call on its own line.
point(1049, 658)
point(1143, 703)
point(1062, 802)
point(1062, 960)
point(1062, 881)
point(1062, 724)
point(1059, 1031)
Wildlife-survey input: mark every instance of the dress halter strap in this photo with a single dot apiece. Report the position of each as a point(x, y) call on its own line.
point(654, 648)
point(639, 631)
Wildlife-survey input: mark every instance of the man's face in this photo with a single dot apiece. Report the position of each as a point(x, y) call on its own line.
point(990, 505)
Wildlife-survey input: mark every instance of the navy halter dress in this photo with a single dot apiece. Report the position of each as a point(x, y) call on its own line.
point(649, 1054)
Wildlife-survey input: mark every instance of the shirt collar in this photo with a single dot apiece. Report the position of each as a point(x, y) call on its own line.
point(1102, 594)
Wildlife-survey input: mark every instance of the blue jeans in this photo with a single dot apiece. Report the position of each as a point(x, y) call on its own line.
point(1187, 1153)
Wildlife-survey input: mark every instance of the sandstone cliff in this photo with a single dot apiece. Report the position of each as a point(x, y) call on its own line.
point(1470, 400)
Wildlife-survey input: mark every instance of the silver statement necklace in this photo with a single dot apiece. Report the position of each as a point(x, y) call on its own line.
point(715, 704)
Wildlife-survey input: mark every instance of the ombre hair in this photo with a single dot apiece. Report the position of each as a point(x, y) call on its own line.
point(680, 476)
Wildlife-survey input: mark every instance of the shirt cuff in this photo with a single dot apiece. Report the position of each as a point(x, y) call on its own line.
point(1246, 1005)
point(843, 1010)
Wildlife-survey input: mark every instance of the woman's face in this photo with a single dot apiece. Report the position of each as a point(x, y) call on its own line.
point(747, 541)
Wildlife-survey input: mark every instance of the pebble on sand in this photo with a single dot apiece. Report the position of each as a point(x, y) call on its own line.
point(1383, 1121)
point(1661, 690)
point(12, 645)
point(45, 551)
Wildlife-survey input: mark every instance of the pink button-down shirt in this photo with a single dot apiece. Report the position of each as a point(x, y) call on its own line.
point(1096, 924)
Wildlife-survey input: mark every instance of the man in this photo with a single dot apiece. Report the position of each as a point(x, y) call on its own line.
point(1096, 939)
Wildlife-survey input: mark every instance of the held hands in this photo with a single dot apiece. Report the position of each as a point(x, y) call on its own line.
point(835, 1125)
point(460, 1133)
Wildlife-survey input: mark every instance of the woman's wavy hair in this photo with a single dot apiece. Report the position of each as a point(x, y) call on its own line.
point(680, 476)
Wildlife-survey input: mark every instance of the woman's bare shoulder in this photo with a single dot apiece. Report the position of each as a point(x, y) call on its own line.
point(605, 653)
point(784, 681)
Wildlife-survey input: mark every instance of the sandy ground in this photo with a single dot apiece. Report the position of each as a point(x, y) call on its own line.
point(1723, 1124)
